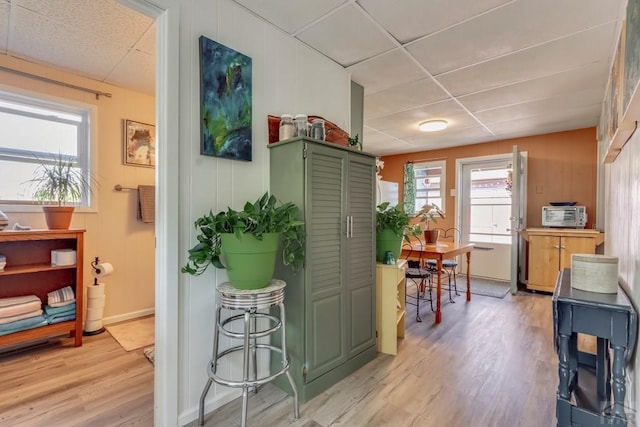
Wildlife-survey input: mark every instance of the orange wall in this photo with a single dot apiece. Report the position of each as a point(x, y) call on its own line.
point(561, 167)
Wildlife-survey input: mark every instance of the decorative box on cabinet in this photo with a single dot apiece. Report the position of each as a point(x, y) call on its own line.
point(330, 302)
point(550, 251)
point(592, 387)
point(29, 272)
point(390, 305)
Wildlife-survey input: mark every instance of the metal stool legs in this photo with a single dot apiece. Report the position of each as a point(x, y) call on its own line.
point(249, 349)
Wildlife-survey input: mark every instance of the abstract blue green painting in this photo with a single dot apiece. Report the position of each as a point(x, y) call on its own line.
point(225, 101)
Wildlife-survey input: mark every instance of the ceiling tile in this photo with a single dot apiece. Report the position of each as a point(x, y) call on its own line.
point(347, 37)
point(402, 97)
point(592, 75)
point(65, 49)
point(450, 138)
point(576, 118)
point(4, 25)
point(553, 105)
point(114, 22)
point(516, 26)
point(405, 123)
point(389, 70)
point(136, 71)
point(290, 15)
point(410, 19)
point(378, 143)
point(147, 42)
point(553, 57)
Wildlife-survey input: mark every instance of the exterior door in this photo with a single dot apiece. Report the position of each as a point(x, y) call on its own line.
point(325, 221)
point(360, 253)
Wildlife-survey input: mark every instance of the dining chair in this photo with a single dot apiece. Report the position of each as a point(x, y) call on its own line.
point(417, 276)
point(449, 266)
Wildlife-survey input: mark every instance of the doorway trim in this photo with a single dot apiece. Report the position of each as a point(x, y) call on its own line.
point(167, 16)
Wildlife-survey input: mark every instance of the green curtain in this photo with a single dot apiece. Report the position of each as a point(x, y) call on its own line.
point(409, 189)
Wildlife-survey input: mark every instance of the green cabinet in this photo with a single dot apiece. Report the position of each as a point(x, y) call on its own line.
point(330, 302)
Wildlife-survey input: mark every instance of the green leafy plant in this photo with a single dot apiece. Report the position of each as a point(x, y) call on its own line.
point(429, 214)
point(396, 219)
point(265, 215)
point(59, 179)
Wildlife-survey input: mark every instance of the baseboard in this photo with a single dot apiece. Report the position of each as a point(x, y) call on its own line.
point(210, 405)
point(128, 316)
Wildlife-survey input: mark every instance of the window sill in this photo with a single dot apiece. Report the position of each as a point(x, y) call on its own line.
point(38, 208)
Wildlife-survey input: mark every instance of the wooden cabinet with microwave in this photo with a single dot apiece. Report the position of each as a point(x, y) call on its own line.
point(550, 251)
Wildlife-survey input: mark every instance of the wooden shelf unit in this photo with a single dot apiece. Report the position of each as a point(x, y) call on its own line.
point(29, 272)
point(390, 305)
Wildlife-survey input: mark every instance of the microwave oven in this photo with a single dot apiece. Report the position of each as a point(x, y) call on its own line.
point(564, 216)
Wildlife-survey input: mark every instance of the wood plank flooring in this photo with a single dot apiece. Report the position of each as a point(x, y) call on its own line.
point(489, 363)
point(98, 384)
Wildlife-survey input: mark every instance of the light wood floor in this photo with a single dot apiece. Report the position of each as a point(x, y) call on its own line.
point(98, 384)
point(489, 363)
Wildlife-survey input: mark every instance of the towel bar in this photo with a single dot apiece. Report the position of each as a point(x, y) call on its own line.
point(119, 187)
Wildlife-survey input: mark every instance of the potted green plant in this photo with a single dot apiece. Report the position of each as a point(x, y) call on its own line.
point(245, 242)
point(392, 227)
point(60, 182)
point(429, 214)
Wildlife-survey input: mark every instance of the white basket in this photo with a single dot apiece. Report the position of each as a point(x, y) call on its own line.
point(594, 273)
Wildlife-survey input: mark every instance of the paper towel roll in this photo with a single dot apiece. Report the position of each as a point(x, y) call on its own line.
point(63, 257)
point(95, 313)
point(92, 325)
point(95, 291)
point(102, 269)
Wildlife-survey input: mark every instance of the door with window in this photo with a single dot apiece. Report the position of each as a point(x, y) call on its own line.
point(484, 214)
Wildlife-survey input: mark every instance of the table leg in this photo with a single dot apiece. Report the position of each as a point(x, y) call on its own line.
point(469, 276)
point(619, 387)
point(439, 291)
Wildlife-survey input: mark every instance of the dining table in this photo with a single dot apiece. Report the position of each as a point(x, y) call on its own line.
point(441, 251)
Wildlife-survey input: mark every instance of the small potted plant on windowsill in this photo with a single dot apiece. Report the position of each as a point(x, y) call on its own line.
point(245, 242)
point(60, 183)
point(429, 214)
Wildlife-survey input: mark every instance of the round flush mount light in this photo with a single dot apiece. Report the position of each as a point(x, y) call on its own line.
point(433, 125)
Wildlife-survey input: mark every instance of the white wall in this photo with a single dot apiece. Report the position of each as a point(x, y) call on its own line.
point(622, 230)
point(288, 77)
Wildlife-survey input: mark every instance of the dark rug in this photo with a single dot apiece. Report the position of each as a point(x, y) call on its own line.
point(485, 287)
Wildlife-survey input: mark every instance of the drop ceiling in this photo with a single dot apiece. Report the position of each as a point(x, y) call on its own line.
point(494, 69)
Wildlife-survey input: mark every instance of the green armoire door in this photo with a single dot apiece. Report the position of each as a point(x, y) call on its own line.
point(330, 303)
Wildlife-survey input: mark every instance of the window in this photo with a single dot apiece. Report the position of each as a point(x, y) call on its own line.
point(490, 206)
point(31, 131)
point(430, 184)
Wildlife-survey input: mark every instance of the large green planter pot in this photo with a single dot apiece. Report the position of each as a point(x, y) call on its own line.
point(387, 240)
point(250, 262)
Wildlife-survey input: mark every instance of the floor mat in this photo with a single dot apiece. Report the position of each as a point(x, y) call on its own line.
point(485, 287)
point(150, 353)
point(134, 334)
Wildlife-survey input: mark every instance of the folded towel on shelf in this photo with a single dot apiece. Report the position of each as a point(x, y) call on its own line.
point(60, 318)
point(23, 324)
point(146, 203)
point(33, 313)
point(52, 311)
point(63, 303)
point(60, 295)
point(15, 310)
point(8, 302)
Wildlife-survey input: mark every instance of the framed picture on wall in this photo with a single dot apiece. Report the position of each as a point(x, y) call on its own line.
point(139, 144)
point(225, 102)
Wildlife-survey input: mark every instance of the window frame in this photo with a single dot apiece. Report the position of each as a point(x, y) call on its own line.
point(432, 164)
point(87, 152)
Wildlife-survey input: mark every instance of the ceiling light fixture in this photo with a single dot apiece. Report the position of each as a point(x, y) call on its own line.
point(433, 125)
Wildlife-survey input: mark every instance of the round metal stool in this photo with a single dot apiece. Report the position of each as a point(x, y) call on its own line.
point(250, 301)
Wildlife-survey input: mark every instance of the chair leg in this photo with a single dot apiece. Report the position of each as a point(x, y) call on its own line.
point(455, 281)
point(449, 282)
point(213, 366)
